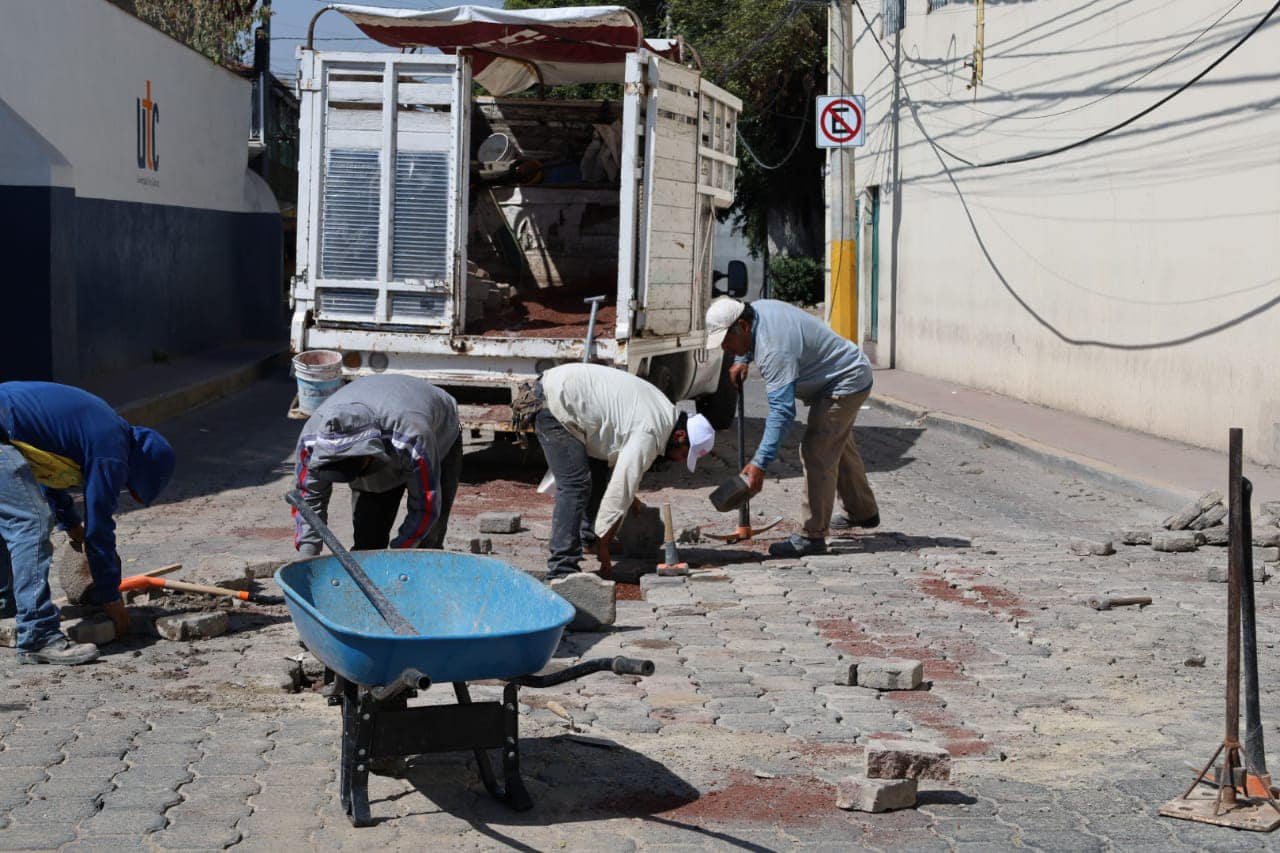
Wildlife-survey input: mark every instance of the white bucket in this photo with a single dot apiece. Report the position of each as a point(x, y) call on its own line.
point(319, 374)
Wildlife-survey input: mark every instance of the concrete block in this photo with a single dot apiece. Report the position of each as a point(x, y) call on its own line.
point(1219, 535)
point(641, 534)
point(1136, 537)
point(1270, 508)
point(74, 577)
point(855, 793)
point(540, 530)
point(1173, 541)
point(192, 626)
point(890, 674)
point(261, 569)
point(1266, 537)
point(846, 673)
point(9, 633)
point(98, 630)
point(1183, 518)
point(499, 522)
point(480, 545)
point(1265, 555)
point(1091, 547)
point(1218, 574)
point(1266, 520)
point(907, 759)
point(1211, 516)
point(592, 597)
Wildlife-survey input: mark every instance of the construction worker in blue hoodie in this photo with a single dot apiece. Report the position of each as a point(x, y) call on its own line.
point(55, 438)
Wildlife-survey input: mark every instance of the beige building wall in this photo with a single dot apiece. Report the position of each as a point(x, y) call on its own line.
point(1134, 279)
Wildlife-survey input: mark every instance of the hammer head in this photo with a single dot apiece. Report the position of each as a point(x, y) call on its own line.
point(1099, 602)
point(595, 299)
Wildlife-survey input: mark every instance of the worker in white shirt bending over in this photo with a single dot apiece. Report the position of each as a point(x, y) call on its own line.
point(590, 418)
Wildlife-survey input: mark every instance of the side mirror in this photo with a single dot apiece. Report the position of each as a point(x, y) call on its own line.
point(737, 275)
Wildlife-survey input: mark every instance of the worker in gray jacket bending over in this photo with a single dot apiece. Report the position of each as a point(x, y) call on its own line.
point(590, 418)
point(387, 436)
point(800, 357)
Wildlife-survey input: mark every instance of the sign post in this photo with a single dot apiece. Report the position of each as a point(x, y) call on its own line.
point(841, 121)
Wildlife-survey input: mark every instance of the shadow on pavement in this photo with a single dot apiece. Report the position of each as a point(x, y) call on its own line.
point(569, 781)
point(883, 542)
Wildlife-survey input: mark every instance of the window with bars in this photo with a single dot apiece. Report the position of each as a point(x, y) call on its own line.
point(892, 16)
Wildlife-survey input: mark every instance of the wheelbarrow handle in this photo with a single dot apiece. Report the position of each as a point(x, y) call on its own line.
point(381, 603)
point(618, 665)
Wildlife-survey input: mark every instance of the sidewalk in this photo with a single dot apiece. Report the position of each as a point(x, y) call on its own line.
point(152, 393)
point(1165, 471)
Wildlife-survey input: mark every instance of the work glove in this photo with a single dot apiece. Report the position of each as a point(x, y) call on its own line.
point(308, 549)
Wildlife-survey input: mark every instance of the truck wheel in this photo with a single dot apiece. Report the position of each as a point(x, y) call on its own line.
point(720, 406)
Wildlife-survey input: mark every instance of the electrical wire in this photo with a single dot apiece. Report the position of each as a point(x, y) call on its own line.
point(1100, 98)
point(1062, 149)
point(795, 146)
point(792, 10)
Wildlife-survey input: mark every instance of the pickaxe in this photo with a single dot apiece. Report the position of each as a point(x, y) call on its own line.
point(745, 531)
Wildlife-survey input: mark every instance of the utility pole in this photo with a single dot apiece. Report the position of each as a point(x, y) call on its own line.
point(841, 191)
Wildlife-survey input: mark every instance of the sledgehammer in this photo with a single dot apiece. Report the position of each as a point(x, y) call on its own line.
point(670, 566)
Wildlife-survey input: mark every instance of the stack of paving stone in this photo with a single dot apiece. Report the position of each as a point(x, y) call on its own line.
point(1204, 523)
point(892, 775)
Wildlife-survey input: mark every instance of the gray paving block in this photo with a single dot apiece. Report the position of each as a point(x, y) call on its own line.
point(498, 522)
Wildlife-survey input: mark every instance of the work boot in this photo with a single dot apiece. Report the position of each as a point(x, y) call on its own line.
point(798, 546)
point(60, 650)
point(844, 522)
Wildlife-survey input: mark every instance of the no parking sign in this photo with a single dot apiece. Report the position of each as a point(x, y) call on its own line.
point(841, 121)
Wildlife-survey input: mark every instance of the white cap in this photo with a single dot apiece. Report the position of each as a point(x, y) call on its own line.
point(721, 314)
point(702, 437)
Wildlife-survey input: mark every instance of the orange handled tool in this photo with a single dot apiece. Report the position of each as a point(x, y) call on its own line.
point(148, 582)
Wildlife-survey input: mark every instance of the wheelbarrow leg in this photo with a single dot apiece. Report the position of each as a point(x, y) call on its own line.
point(357, 735)
point(514, 793)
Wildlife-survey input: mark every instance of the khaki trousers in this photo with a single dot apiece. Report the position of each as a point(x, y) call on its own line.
point(832, 464)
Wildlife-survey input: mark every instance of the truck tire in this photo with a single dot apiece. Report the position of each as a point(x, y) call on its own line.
point(720, 406)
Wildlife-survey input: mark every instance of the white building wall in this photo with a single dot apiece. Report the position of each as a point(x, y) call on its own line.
point(1134, 279)
point(73, 70)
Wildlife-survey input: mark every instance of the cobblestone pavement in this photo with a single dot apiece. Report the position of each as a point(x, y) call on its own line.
point(1069, 726)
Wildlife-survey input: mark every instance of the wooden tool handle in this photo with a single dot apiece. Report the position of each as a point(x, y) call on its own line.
point(669, 529)
point(155, 573)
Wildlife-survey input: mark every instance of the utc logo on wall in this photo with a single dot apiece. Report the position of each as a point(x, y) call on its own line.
point(148, 119)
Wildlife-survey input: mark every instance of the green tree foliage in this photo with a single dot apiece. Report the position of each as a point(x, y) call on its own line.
point(795, 278)
point(772, 54)
point(220, 29)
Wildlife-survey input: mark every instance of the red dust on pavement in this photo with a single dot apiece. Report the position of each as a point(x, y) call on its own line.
point(787, 801)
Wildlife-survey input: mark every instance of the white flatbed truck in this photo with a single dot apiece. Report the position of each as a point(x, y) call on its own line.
point(457, 236)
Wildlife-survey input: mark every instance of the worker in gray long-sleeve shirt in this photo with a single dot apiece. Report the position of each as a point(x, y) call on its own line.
point(589, 418)
point(388, 436)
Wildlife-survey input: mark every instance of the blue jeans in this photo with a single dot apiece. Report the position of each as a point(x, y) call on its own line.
point(25, 524)
point(580, 485)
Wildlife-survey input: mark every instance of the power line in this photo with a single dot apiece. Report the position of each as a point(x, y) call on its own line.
point(794, 147)
point(1110, 94)
point(1061, 149)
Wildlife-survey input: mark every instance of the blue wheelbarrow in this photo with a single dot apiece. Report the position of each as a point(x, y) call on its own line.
point(453, 618)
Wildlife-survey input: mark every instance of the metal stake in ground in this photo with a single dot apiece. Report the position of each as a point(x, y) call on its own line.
point(381, 603)
point(1230, 807)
